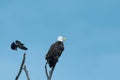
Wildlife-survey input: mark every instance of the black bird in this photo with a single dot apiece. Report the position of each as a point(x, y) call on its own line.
point(18, 44)
point(55, 52)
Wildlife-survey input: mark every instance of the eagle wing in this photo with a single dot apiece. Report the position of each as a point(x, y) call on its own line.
point(51, 52)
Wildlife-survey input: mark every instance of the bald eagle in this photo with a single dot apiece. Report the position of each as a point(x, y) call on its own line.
point(18, 44)
point(55, 51)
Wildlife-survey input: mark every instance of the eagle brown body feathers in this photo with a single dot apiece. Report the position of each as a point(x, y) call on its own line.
point(54, 53)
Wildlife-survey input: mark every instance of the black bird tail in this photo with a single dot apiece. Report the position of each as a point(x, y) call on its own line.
point(23, 47)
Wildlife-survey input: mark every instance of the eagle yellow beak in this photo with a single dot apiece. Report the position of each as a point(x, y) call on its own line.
point(64, 39)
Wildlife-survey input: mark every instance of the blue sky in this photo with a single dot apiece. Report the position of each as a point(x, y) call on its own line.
point(92, 29)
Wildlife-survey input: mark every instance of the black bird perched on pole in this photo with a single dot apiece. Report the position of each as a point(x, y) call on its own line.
point(55, 52)
point(18, 44)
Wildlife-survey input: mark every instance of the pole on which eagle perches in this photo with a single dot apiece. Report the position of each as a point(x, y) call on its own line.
point(51, 72)
point(49, 76)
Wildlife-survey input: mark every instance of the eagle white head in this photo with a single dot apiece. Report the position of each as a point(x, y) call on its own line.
point(61, 38)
